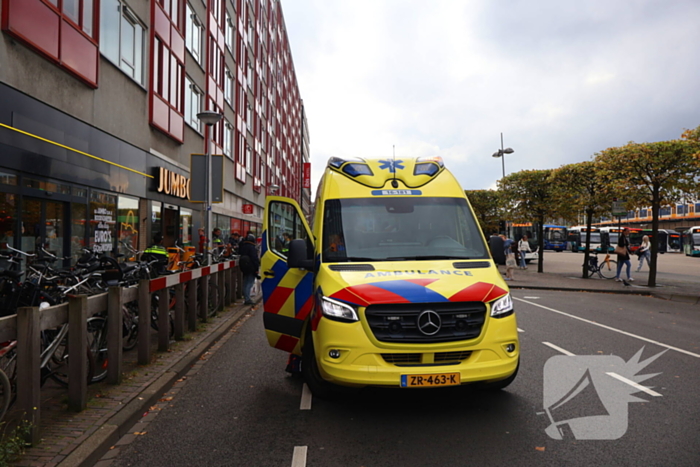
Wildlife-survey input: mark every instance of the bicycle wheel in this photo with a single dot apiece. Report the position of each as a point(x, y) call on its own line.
point(130, 326)
point(57, 365)
point(608, 270)
point(97, 343)
point(5, 394)
point(214, 298)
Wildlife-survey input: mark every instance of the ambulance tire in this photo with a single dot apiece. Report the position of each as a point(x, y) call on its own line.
point(309, 369)
point(498, 385)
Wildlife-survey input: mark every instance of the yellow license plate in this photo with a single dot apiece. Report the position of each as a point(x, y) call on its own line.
point(424, 381)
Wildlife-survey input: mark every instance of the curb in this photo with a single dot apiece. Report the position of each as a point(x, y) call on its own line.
point(96, 445)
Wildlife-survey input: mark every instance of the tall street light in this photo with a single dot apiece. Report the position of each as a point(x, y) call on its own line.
point(502, 154)
point(209, 118)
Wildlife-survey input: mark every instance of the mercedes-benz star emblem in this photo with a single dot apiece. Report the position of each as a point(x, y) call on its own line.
point(429, 322)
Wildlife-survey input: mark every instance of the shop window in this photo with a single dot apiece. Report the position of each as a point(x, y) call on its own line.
point(122, 38)
point(194, 34)
point(193, 105)
point(78, 229)
point(127, 224)
point(8, 223)
point(102, 212)
point(60, 31)
point(8, 179)
point(186, 233)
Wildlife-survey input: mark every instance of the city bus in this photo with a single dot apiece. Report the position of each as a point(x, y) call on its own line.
point(611, 235)
point(555, 237)
point(691, 242)
point(516, 231)
point(669, 240)
point(577, 235)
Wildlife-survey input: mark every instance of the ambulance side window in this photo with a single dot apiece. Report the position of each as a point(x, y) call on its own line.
point(284, 225)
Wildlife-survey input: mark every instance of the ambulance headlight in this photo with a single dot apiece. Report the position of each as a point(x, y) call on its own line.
point(338, 311)
point(502, 307)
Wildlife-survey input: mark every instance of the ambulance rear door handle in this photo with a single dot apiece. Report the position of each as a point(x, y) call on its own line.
point(269, 273)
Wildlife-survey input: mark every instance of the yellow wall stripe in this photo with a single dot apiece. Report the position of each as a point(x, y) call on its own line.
point(75, 150)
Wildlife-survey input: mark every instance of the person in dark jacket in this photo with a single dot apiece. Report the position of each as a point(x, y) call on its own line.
point(623, 260)
point(249, 266)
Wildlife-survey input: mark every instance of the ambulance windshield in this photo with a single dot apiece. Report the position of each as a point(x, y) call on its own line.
point(400, 229)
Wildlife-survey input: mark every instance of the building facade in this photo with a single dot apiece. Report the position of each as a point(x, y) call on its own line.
point(99, 118)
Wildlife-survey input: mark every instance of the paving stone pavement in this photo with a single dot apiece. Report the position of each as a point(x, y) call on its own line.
point(63, 432)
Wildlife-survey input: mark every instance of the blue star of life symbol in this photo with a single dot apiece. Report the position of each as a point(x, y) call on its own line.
point(391, 165)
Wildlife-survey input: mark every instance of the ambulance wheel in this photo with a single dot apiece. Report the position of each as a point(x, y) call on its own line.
point(498, 385)
point(312, 375)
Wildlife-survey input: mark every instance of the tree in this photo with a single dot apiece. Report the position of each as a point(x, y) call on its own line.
point(581, 188)
point(654, 174)
point(529, 195)
point(488, 208)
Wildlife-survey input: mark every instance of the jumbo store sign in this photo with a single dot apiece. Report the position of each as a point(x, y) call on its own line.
point(173, 184)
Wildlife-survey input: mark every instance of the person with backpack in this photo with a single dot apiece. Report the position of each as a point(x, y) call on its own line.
point(249, 264)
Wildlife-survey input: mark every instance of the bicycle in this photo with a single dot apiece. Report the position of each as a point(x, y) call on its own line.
point(607, 269)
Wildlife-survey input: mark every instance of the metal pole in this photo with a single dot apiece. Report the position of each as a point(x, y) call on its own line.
point(503, 157)
point(207, 232)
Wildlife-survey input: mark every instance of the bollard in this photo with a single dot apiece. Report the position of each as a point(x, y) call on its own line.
point(179, 311)
point(204, 299)
point(222, 289)
point(192, 304)
point(239, 283)
point(144, 339)
point(114, 335)
point(78, 351)
point(163, 320)
point(28, 369)
point(227, 281)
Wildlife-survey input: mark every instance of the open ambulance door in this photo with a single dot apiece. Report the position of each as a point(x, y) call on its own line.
point(287, 292)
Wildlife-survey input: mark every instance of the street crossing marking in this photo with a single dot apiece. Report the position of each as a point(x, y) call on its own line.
point(305, 398)
point(299, 456)
point(559, 349)
point(633, 384)
point(610, 328)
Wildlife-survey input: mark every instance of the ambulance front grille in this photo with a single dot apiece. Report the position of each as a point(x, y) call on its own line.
point(440, 358)
point(399, 322)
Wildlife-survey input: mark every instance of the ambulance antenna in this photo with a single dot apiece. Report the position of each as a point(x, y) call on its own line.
point(394, 183)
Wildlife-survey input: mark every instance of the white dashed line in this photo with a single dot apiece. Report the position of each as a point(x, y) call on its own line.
point(611, 328)
point(532, 298)
point(520, 330)
point(299, 457)
point(305, 398)
point(559, 349)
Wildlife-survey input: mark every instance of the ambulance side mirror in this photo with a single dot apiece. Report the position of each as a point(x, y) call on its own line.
point(297, 256)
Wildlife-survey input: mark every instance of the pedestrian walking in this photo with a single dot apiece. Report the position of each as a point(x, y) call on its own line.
point(234, 240)
point(644, 252)
point(509, 252)
point(523, 248)
point(623, 255)
point(249, 264)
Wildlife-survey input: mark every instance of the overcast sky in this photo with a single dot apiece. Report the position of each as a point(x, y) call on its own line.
point(561, 79)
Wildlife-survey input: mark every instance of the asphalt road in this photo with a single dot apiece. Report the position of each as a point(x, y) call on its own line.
point(241, 408)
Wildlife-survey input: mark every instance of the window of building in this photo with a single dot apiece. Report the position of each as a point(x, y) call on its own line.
point(194, 34)
point(228, 135)
point(173, 10)
point(248, 160)
point(230, 34)
point(121, 38)
point(228, 87)
point(193, 104)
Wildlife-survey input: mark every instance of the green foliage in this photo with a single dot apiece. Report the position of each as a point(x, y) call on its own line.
point(488, 208)
point(12, 445)
point(580, 188)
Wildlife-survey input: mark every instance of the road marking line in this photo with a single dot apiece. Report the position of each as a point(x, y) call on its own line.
point(634, 385)
point(559, 349)
point(299, 457)
point(520, 330)
point(305, 398)
point(533, 298)
point(611, 328)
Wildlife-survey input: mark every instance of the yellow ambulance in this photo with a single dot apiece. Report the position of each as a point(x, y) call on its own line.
point(390, 283)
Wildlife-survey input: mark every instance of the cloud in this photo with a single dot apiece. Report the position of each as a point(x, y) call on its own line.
point(561, 80)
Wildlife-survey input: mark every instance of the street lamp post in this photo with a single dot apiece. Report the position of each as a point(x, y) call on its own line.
point(502, 154)
point(209, 118)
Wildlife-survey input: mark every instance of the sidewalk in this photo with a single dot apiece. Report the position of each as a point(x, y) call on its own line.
point(686, 292)
point(80, 439)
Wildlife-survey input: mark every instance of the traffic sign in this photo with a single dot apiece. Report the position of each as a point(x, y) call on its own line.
point(618, 209)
